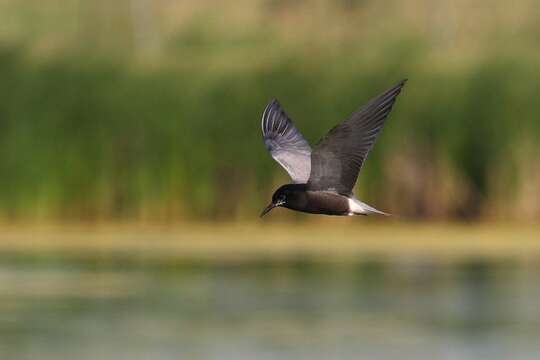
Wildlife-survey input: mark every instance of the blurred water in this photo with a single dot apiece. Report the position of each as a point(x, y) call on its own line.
point(84, 308)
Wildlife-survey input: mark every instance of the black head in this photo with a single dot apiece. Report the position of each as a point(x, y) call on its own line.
point(283, 196)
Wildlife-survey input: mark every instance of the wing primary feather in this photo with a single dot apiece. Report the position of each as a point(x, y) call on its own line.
point(339, 156)
point(285, 143)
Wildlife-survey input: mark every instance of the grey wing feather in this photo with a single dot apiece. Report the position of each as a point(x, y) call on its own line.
point(338, 157)
point(285, 143)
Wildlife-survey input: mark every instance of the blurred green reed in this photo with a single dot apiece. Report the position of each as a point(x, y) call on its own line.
point(89, 136)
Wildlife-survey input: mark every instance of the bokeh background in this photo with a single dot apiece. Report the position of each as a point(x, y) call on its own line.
point(132, 173)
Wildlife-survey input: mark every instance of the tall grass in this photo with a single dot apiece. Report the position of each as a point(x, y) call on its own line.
point(85, 134)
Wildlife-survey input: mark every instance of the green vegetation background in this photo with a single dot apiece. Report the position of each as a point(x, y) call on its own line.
point(150, 110)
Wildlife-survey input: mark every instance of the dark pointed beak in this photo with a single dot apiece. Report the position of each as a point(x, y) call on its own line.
point(268, 208)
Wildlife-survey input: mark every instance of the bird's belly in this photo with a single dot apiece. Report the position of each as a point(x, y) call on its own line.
point(323, 202)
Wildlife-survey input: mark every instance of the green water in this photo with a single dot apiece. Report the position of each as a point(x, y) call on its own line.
point(116, 308)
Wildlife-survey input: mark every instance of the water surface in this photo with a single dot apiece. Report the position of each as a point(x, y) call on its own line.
point(82, 308)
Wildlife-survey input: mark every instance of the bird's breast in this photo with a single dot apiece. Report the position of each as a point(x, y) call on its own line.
point(321, 202)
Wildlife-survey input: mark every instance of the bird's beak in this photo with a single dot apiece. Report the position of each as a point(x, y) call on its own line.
point(271, 206)
point(268, 208)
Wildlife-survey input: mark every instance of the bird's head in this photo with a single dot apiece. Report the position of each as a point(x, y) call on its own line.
point(283, 196)
point(278, 199)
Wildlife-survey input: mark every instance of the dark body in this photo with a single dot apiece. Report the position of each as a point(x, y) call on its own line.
point(298, 197)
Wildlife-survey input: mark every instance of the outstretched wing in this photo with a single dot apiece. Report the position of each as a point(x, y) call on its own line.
point(338, 157)
point(285, 143)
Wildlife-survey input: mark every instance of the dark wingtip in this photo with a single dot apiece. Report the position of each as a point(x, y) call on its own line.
point(271, 104)
point(396, 89)
point(401, 83)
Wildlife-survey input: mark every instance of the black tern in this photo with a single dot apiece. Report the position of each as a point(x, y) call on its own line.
point(323, 179)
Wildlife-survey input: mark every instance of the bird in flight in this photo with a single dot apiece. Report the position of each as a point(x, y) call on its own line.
point(323, 178)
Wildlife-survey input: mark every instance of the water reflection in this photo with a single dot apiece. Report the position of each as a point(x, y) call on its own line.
point(296, 309)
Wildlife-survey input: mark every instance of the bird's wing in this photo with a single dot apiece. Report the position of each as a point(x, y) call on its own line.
point(337, 158)
point(285, 143)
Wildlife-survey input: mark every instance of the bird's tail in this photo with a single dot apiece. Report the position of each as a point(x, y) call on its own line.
point(360, 208)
